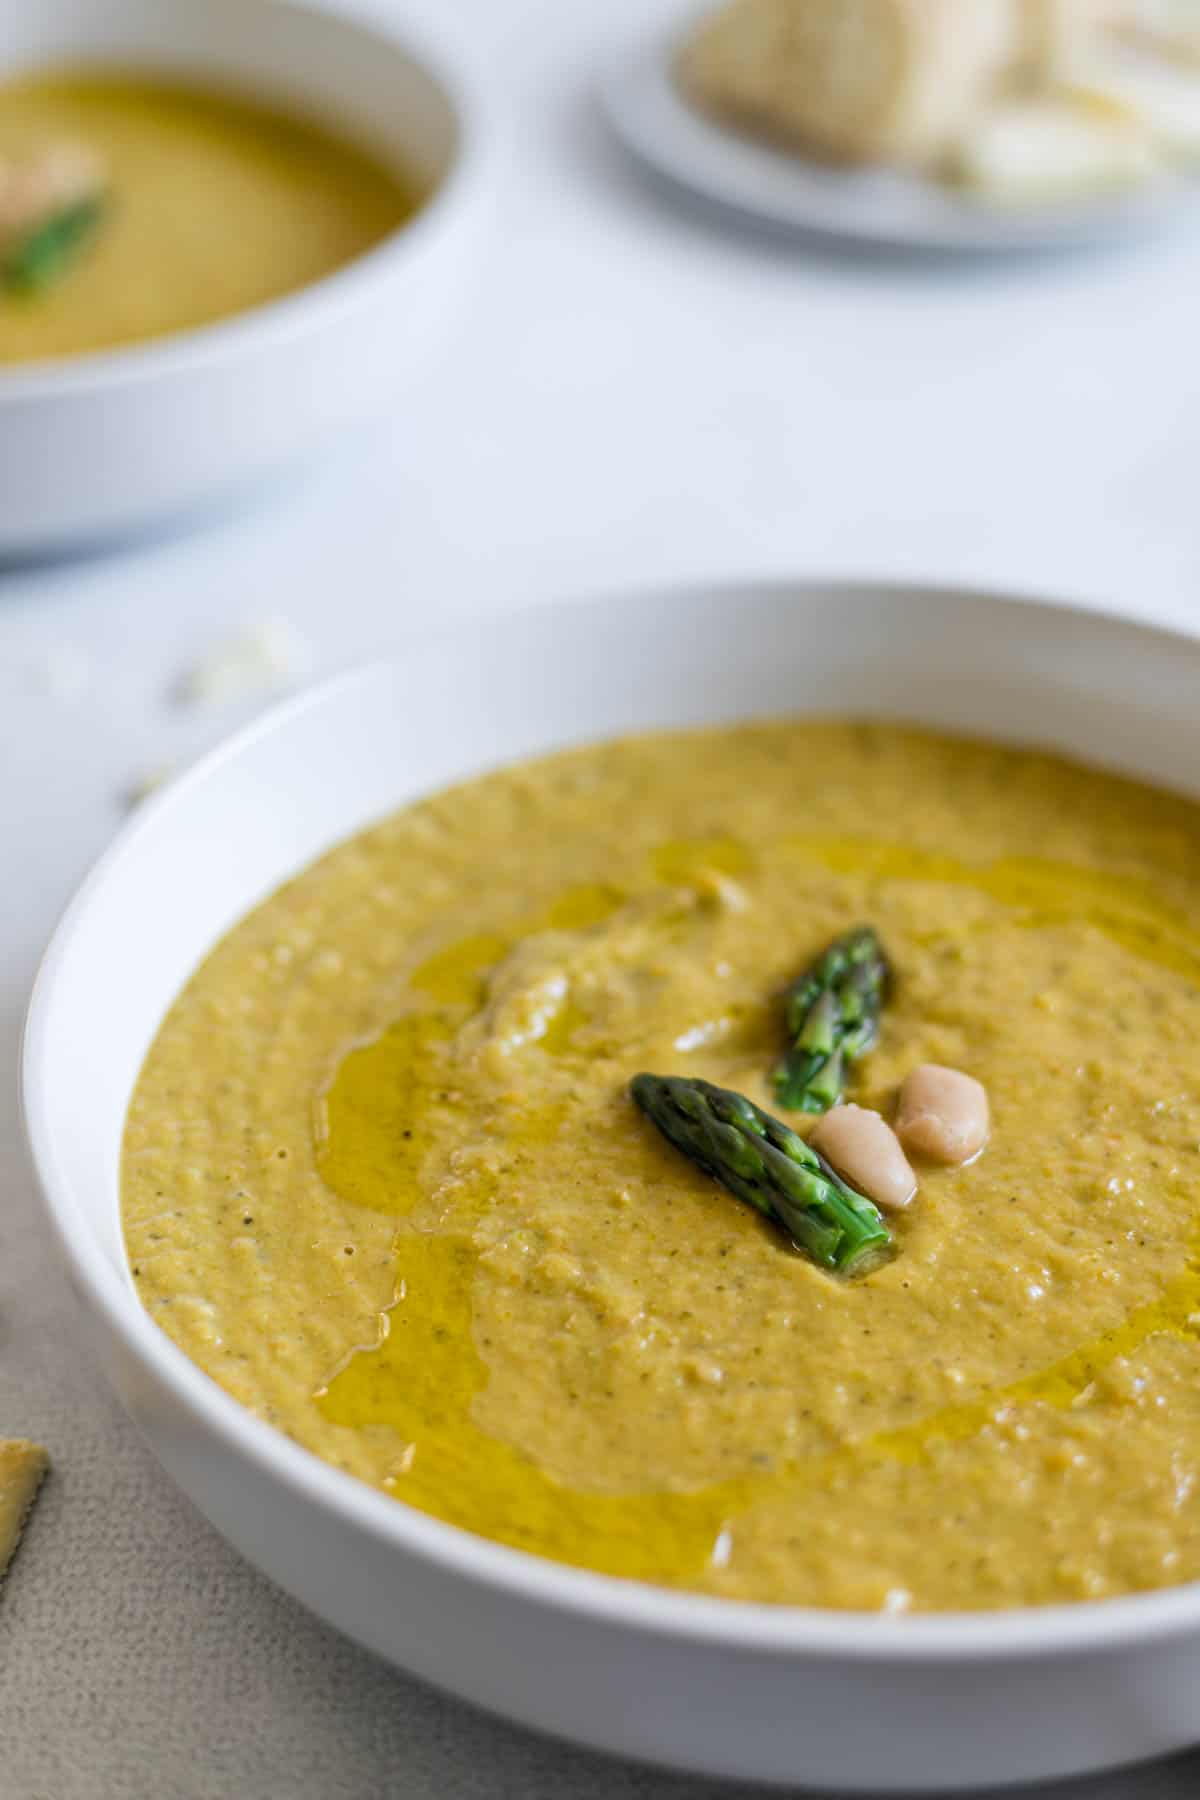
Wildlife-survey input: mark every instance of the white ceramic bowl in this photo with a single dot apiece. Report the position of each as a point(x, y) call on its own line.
point(104, 443)
point(834, 1700)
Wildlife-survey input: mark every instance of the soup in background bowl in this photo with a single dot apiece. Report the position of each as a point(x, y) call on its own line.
point(206, 203)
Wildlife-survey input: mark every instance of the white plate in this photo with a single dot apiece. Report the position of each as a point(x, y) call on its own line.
point(883, 208)
point(835, 1701)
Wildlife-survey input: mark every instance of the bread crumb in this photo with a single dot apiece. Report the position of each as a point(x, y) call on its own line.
point(145, 784)
point(267, 655)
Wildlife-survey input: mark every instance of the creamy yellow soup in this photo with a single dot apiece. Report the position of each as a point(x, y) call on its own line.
point(383, 1179)
point(213, 203)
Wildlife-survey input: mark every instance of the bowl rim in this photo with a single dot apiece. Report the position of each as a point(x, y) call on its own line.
point(758, 1627)
point(435, 54)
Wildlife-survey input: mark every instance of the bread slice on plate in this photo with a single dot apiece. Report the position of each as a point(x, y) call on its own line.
point(23, 1468)
point(1028, 152)
point(1053, 33)
point(1160, 95)
point(852, 80)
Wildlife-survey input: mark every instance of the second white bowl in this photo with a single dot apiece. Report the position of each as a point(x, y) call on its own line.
point(99, 444)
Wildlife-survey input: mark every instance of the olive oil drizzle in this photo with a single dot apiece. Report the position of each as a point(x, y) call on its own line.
point(1038, 890)
point(422, 1375)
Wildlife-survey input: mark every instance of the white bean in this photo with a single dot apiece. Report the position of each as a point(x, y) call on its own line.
point(866, 1152)
point(943, 1114)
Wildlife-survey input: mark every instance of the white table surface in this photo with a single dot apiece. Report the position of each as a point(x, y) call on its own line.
point(641, 395)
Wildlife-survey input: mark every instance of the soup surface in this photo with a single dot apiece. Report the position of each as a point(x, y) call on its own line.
point(383, 1180)
point(213, 203)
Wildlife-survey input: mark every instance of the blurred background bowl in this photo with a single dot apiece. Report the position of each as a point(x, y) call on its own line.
point(99, 444)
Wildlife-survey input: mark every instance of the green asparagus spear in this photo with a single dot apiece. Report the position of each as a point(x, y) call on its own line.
point(765, 1163)
point(832, 1014)
point(47, 251)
